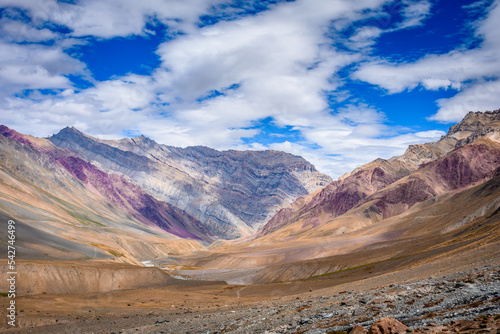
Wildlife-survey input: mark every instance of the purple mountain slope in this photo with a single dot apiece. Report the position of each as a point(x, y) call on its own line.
point(395, 184)
point(232, 193)
point(120, 193)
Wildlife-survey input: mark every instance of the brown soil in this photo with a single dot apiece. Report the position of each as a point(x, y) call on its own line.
point(191, 301)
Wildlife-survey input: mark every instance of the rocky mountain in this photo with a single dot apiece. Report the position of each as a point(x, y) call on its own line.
point(436, 198)
point(68, 208)
point(233, 193)
point(463, 167)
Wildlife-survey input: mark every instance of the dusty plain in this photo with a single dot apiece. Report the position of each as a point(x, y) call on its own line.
point(450, 287)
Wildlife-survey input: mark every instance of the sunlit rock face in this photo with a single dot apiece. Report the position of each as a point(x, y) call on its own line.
point(233, 193)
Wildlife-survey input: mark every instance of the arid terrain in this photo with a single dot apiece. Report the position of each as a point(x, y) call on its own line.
point(432, 297)
point(407, 244)
point(249, 166)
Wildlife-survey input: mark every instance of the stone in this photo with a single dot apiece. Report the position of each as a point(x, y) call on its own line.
point(387, 326)
point(357, 312)
point(358, 329)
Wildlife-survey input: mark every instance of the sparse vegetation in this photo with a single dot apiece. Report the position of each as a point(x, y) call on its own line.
point(115, 253)
point(84, 219)
point(368, 266)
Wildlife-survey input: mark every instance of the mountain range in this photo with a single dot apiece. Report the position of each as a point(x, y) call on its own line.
point(269, 214)
point(467, 154)
point(437, 198)
point(139, 199)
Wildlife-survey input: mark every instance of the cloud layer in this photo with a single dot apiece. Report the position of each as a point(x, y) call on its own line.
point(216, 83)
point(474, 73)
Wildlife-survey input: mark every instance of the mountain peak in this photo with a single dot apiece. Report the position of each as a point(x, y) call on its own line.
point(70, 129)
point(477, 122)
point(143, 138)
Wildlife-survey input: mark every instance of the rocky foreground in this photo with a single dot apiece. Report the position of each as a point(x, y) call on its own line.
point(468, 302)
point(464, 302)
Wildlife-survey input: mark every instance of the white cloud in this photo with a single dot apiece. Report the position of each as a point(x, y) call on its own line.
point(281, 60)
point(481, 96)
point(125, 94)
point(462, 69)
point(35, 67)
point(17, 31)
point(433, 72)
point(112, 18)
point(364, 37)
point(349, 139)
point(415, 12)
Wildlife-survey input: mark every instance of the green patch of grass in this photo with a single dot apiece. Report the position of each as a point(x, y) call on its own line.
point(4, 294)
point(368, 266)
point(115, 253)
point(84, 219)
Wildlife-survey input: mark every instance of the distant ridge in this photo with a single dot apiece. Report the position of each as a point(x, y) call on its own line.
point(360, 185)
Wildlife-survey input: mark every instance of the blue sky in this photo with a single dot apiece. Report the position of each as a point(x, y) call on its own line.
point(338, 82)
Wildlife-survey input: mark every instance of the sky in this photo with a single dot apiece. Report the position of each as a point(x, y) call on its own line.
point(338, 82)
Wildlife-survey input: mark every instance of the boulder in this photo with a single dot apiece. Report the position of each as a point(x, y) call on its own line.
point(388, 326)
point(358, 329)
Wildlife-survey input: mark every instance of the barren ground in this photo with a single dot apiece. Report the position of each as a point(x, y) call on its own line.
point(445, 289)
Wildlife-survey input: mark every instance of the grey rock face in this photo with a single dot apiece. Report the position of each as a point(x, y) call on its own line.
point(233, 193)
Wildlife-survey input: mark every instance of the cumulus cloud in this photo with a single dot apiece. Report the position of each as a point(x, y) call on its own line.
point(35, 67)
point(480, 96)
point(472, 72)
point(113, 18)
point(216, 82)
point(17, 31)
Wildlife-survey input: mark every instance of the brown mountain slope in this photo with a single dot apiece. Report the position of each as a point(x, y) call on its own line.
point(442, 227)
point(68, 209)
point(353, 188)
point(462, 168)
point(450, 225)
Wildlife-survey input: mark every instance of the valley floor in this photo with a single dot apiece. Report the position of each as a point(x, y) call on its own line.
point(435, 297)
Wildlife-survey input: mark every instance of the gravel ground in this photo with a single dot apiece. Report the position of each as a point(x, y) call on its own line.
point(423, 305)
point(465, 302)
